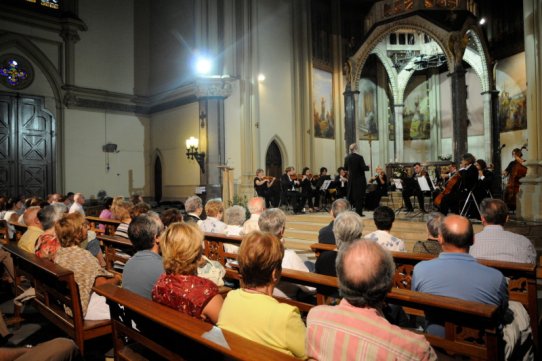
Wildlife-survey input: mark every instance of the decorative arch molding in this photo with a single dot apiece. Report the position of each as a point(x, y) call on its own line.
point(416, 23)
point(380, 52)
point(282, 148)
point(40, 60)
point(488, 83)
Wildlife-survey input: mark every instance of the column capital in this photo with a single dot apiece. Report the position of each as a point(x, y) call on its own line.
point(69, 35)
point(214, 87)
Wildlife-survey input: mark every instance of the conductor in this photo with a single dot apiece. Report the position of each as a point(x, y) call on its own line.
point(355, 165)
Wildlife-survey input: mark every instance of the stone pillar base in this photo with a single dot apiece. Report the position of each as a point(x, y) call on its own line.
point(529, 202)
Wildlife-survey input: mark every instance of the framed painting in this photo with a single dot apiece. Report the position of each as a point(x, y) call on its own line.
point(367, 116)
point(512, 87)
point(322, 104)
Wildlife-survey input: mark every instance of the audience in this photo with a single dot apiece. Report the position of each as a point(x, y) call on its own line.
point(13, 205)
point(274, 221)
point(145, 266)
point(33, 231)
point(214, 209)
point(121, 211)
point(193, 207)
point(455, 273)
point(54, 198)
point(106, 212)
point(71, 230)
point(77, 205)
point(234, 217)
point(384, 218)
point(139, 209)
point(48, 244)
point(355, 329)
point(179, 287)
point(325, 235)
point(251, 311)
point(256, 206)
point(494, 243)
point(431, 245)
point(171, 215)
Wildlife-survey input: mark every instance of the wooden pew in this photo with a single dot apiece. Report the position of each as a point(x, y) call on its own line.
point(111, 245)
point(55, 289)
point(172, 334)
point(110, 225)
point(4, 234)
point(521, 285)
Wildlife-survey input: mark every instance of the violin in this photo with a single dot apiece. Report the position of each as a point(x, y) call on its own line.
point(452, 182)
point(268, 178)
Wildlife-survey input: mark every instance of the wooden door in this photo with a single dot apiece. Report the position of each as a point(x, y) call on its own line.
point(26, 147)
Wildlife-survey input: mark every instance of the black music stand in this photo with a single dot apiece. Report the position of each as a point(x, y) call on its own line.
point(323, 191)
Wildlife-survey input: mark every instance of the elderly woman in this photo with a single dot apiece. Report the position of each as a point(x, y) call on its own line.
point(251, 311)
point(235, 217)
point(71, 230)
point(179, 287)
point(48, 244)
point(214, 209)
point(121, 211)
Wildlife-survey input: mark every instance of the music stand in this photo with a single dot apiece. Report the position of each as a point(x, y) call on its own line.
point(323, 190)
point(398, 183)
point(470, 198)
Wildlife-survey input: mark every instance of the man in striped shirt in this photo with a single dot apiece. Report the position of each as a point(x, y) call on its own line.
point(356, 329)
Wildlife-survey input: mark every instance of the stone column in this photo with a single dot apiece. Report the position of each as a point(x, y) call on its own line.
point(70, 37)
point(211, 93)
point(399, 142)
point(493, 138)
point(350, 131)
point(529, 205)
point(459, 113)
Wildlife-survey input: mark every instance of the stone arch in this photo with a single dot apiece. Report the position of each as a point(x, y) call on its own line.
point(158, 162)
point(272, 169)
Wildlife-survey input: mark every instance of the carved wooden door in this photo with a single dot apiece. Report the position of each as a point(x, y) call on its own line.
point(26, 147)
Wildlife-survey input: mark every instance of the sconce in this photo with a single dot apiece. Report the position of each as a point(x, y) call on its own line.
point(192, 152)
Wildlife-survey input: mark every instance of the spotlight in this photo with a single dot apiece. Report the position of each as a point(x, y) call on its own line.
point(261, 77)
point(203, 66)
point(482, 21)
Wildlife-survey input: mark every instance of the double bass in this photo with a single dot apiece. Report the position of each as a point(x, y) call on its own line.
point(450, 185)
point(512, 187)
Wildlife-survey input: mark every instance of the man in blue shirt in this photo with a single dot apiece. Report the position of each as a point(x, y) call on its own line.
point(457, 274)
point(143, 269)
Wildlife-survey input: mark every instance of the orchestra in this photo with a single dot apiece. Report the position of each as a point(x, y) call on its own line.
point(454, 186)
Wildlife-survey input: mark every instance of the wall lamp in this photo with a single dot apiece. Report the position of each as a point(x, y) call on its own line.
point(192, 152)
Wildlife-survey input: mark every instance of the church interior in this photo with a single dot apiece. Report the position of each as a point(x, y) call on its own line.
point(171, 98)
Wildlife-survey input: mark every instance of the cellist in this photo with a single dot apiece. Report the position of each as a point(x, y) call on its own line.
point(515, 171)
point(467, 177)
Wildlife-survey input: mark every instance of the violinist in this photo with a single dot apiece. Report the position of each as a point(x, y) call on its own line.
point(308, 189)
point(263, 186)
point(463, 182)
point(380, 180)
point(515, 171)
point(485, 181)
point(341, 182)
point(411, 187)
point(319, 183)
point(289, 183)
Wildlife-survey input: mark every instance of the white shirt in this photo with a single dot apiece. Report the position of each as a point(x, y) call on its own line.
point(387, 241)
point(77, 208)
point(291, 260)
point(251, 224)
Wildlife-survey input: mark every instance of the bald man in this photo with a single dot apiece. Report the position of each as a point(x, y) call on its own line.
point(34, 230)
point(455, 273)
point(356, 326)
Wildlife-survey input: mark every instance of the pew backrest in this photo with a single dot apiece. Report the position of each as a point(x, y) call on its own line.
point(172, 334)
point(110, 224)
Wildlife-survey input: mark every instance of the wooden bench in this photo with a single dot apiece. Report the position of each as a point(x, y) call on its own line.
point(110, 225)
point(4, 233)
point(173, 335)
point(56, 289)
point(111, 246)
point(521, 279)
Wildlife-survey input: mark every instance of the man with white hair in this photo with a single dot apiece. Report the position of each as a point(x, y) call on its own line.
point(193, 207)
point(325, 235)
point(255, 206)
point(77, 206)
point(357, 183)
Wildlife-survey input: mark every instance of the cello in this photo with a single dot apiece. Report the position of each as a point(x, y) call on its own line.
point(450, 185)
point(512, 187)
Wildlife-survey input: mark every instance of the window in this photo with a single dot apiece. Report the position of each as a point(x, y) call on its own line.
point(15, 71)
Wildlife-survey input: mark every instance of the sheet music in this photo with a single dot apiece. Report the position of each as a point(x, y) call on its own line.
point(325, 185)
point(398, 183)
point(424, 186)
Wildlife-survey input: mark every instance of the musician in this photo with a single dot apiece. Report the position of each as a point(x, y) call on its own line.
point(380, 180)
point(485, 181)
point(468, 178)
point(341, 183)
point(319, 183)
point(515, 171)
point(262, 186)
point(355, 165)
point(289, 183)
point(452, 170)
point(308, 189)
point(411, 187)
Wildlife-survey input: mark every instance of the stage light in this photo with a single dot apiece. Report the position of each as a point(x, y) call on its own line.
point(203, 66)
point(261, 77)
point(482, 21)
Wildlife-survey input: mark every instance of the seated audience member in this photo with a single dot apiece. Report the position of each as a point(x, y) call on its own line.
point(48, 244)
point(77, 205)
point(255, 206)
point(494, 243)
point(355, 329)
point(57, 349)
point(145, 266)
point(69, 199)
point(274, 221)
point(251, 311)
point(179, 287)
point(71, 230)
point(106, 212)
point(193, 207)
point(325, 235)
point(455, 273)
point(121, 211)
point(29, 202)
point(431, 245)
point(136, 199)
point(13, 206)
point(54, 198)
point(34, 230)
point(214, 209)
point(139, 209)
point(171, 215)
point(384, 218)
point(347, 227)
point(234, 218)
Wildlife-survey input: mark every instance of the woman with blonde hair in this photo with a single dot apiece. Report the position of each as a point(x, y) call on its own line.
point(214, 208)
point(121, 211)
point(179, 287)
point(251, 311)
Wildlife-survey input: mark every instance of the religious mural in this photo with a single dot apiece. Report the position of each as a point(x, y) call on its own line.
point(512, 87)
point(322, 104)
point(367, 116)
point(416, 115)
